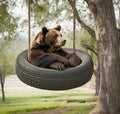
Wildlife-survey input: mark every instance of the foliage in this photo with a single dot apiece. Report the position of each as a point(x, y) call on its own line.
point(8, 53)
point(8, 23)
point(46, 11)
point(7, 60)
point(8, 33)
point(85, 37)
point(117, 11)
point(54, 11)
point(69, 37)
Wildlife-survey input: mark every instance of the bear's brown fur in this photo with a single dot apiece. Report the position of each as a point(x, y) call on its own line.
point(47, 52)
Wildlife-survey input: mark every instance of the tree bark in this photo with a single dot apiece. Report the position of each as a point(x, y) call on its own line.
point(97, 81)
point(108, 44)
point(2, 81)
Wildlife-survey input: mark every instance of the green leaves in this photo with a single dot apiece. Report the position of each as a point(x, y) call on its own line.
point(8, 26)
point(8, 23)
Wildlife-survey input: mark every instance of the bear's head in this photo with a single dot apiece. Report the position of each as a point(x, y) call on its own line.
point(53, 38)
point(50, 37)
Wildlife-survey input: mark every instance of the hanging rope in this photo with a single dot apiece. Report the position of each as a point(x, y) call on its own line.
point(74, 24)
point(29, 30)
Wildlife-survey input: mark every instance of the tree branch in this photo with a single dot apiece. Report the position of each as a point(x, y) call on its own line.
point(86, 1)
point(91, 48)
point(87, 28)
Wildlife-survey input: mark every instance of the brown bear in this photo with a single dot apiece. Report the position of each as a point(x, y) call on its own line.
point(46, 50)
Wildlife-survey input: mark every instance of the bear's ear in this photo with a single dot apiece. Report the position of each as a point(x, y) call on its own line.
point(44, 30)
point(58, 28)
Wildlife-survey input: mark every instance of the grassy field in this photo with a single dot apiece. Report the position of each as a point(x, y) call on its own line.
point(84, 103)
point(23, 99)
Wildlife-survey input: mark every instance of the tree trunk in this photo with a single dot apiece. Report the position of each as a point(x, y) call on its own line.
point(97, 81)
point(107, 36)
point(2, 81)
point(97, 74)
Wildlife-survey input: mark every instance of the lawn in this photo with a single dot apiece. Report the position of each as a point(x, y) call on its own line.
point(84, 103)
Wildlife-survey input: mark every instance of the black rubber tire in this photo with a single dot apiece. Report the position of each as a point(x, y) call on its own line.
point(52, 79)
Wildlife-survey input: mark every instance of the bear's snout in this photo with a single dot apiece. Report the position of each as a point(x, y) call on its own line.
point(63, 42)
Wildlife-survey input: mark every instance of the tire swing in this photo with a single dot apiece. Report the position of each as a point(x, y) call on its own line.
point(50, 79)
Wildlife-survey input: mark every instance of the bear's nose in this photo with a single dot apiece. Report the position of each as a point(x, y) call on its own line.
point(63, 42)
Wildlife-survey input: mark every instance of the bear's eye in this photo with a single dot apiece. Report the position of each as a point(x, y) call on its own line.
point(55, 36)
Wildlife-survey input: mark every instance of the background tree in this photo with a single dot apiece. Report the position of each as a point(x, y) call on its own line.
point(8, 33)
point(89, 46)
point(108, 38)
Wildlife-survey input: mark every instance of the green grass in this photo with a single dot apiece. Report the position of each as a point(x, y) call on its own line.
point(83, 109)
point(19, 105)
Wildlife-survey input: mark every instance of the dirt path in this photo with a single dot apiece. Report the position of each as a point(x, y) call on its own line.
point(54, 111)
